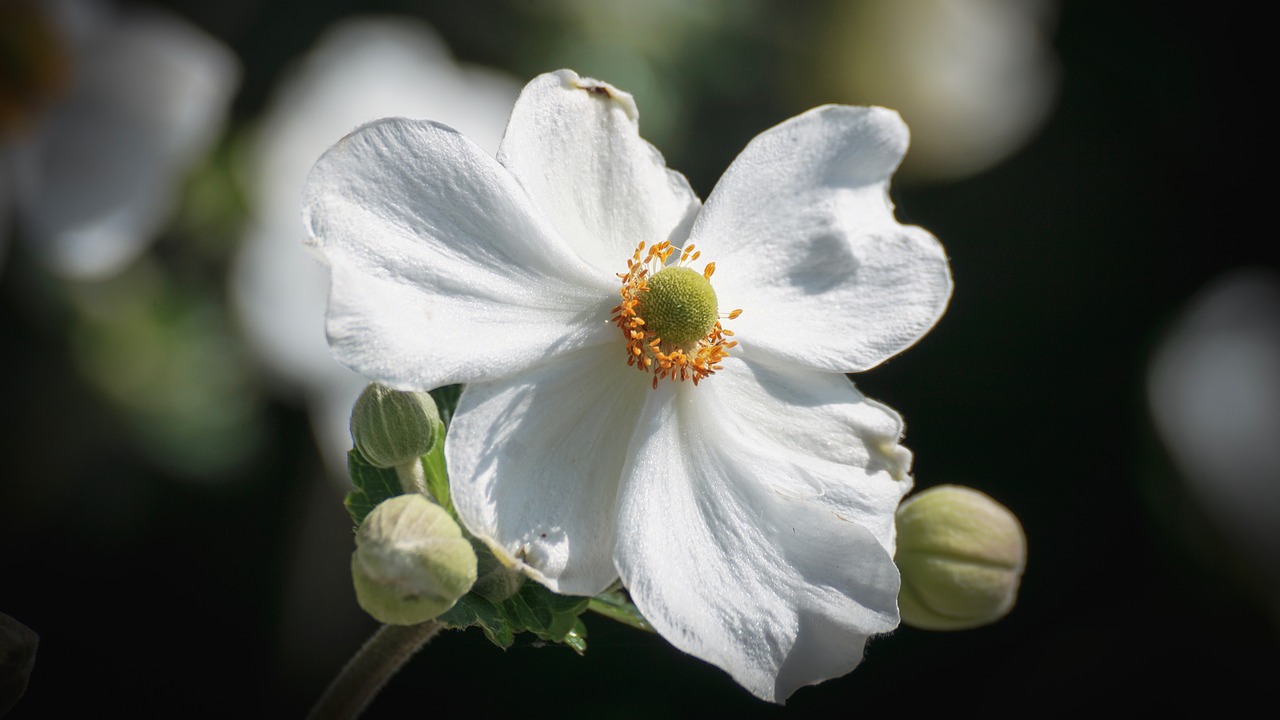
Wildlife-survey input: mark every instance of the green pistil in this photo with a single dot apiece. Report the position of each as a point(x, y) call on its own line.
point(679, 307)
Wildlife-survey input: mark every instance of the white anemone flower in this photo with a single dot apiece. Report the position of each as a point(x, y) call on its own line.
point(96, 175)
point(741, 489)
point(361, 69)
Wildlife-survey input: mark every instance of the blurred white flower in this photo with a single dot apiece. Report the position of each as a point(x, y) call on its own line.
point(650, 47)
point(1214, 389)
point(93, 173)
point(973, 78)
point(749, 511)
point(361, 69)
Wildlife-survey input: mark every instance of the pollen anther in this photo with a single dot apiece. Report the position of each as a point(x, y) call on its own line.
point(695, 356)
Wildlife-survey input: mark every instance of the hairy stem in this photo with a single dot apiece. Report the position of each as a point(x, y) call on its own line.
point(368, 671)
point(412, 477)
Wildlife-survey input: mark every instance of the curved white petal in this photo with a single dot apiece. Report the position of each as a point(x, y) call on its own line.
point(575, 146)
point(104, 171)
point(442, 270)
point(361, 69)
point(534, 464)
point(755, 525)
point(804, 239)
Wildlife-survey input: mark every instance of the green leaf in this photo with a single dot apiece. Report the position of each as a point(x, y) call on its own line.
point(437, 474)
point(372, 486)
point(615, 603)
point(533, 609)
point(474, 611)
point(577, 637)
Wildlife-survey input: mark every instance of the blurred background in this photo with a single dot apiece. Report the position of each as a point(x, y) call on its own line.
point(1109, 368)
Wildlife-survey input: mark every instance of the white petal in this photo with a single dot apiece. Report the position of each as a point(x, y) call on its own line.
point(804, 239)
point(534, 463)
point(574, 144)
point(755, 528)
point(362, 69)
point(442, 271)
point(103, 174)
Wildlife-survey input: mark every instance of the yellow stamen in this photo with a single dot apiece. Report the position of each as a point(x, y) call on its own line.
point(646, 350)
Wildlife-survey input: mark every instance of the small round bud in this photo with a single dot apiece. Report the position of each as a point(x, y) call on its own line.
point(391, 427)
point(961, 555)
point(411, 562)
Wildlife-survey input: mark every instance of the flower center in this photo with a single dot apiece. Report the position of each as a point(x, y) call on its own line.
point(670, 316)
point(679, 305)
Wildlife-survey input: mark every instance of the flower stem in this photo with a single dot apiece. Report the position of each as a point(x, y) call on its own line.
point(369, 670)
point(412, 477)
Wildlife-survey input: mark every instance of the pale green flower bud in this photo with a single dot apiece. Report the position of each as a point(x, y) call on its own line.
point(391, 427)
point(411, 562)
point(961, 555)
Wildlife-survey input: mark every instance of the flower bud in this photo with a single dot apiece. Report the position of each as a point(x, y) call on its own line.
point(411, 562)
point(961, 555)
point(391, 427)
point(495, 582)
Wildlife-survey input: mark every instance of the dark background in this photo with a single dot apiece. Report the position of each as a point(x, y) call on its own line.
point(157, 596)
